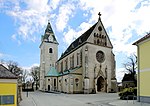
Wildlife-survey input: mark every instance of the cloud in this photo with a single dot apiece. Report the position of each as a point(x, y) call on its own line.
point(30, 16)
point(1, 55)
point(29, 67)
point(72, 34)
point(120, 73)
point(115, 14)
point(54, 4)
point(65, 13)
point(69, 36)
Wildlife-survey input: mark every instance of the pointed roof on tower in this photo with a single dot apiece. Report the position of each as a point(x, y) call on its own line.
point(49, 28)
point(48, 32)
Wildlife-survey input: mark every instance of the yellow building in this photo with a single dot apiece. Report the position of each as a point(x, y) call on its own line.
point(8, 87)
point(143, 51)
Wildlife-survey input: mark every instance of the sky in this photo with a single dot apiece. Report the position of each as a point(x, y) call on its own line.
point(22, 22)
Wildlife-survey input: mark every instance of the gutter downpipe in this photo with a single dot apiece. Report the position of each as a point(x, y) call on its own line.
point(138, 92)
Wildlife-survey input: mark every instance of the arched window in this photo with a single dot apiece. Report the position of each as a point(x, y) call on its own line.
point(98, 41)
point(73, 61)
point(62, 66)
point(50, 50)
point(78, 58)
point(81, 57)
point(94, 41)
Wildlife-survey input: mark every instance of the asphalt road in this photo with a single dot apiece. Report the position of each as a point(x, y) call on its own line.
point(51, 99)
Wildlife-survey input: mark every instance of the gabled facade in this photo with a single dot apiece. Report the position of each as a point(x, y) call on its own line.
point(143, 52)
point(8, 87)
point(87, 65)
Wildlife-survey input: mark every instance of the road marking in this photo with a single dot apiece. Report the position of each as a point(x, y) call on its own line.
point(34, 102)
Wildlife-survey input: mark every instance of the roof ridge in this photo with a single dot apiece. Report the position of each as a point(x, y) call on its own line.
point(142, 39)
point(5, 73)
point(83, 38)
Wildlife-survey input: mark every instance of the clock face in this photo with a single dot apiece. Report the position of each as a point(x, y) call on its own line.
point(100, 56)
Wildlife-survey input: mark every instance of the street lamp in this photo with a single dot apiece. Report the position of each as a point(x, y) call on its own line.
point(27, 87)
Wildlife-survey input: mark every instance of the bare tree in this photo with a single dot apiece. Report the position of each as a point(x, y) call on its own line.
point(35, 73)
point(14, 68)
point(131, 66)
point(24, 75)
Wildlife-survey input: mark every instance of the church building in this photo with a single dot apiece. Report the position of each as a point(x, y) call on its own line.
point(86, 66)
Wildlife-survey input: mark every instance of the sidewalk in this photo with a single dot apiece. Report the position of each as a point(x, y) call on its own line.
point(26, 101)
point(128, 103)
point(29, 101)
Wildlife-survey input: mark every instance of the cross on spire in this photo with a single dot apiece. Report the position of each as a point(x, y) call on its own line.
point(99, 16)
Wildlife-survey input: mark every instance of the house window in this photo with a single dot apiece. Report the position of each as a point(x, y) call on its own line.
point(98, 41)
point(105, 41)
point(50, 50)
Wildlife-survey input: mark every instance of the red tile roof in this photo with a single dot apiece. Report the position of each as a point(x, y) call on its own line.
point(142, 39)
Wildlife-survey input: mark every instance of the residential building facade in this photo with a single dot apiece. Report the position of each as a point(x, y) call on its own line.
point(143, 53)
point(8, 87)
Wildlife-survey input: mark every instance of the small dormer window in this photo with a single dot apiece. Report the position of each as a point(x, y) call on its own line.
point(80, 41)
point(72, 46)
point(50, 38)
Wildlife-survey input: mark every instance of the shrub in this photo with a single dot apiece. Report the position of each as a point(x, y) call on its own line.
point(128, 93)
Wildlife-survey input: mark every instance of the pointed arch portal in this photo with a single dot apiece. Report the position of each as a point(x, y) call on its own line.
point(100, 84)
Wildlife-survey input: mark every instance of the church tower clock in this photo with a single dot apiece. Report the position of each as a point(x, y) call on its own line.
point(48, 54)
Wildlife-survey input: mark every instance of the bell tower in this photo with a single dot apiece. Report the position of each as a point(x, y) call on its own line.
point(48, 54)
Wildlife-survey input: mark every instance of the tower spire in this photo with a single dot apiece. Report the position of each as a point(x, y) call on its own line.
point(48, 18)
